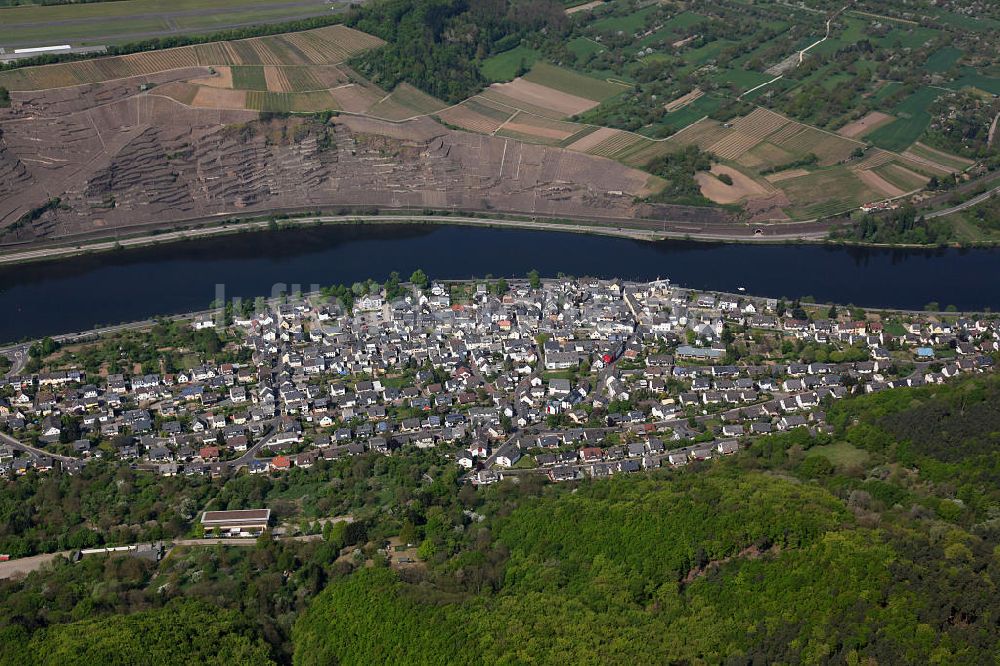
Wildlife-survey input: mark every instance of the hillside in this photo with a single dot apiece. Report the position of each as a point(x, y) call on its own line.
point(708, 569)
point(852, 552)
point(758, 114)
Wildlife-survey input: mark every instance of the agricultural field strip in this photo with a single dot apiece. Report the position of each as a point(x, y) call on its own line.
point(251, 51)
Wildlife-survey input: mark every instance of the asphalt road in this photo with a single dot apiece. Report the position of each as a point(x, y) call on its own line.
point(18, 359)
point(252, 451)
point(965, 204)
point(34, 452)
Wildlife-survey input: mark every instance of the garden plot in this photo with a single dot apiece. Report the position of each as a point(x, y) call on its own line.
point(466, 118)
point(223, 78)
point(939, 157)
point(355, 98)
point(537, 95)
point(276, 80)
point(703, 133)
point(573, 83)
point(827, 192)
point(249, 77)
point(180, 91)
point(876, 158)
point(734, 145)
point(683, 100)
point(589, 142)
point(765, 155)
point(829, 148)
point(786, 132)
point(406, 102)
point(761, 123)
point(616, 144)
point(925, 165)
point(880, 184)
point(219, 98)
point(643, 152)
point(902, 177)
point(862, 126)
point(509, 104)
point(539, 130)
point(743, 187)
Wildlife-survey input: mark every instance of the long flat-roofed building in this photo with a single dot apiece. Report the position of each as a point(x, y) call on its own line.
point(239, 523)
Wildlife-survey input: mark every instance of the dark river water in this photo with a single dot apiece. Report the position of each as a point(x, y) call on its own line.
point(80, 293)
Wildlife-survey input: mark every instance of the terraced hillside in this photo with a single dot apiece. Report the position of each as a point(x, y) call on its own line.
point(145, 158)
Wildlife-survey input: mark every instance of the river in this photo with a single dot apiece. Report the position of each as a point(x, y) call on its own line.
point(80, 293)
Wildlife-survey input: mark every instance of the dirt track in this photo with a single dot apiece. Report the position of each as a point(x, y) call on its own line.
point(26, 565)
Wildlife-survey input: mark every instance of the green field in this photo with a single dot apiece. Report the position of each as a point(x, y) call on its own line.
point(742, 79)
point(840, 454)
point(973, 79)
point(907, 36)
point(583, 47)
point(504, 66)
point(702, 54)
point(628, 24)
point(886, 90)
point(678, 25)
point(109, 22)
point(912, 120)
point(854, 29)
point(573, 83)
point(975, 23)
point(269, 101)
point(249, 77)
point(943, 59)
point(904, 180)
point(694, 111)
point(826, 192)
point(942, 157)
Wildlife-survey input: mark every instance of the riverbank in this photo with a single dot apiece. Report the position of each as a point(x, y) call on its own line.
point(770, 233)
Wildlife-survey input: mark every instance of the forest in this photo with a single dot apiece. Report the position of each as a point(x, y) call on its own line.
point(438, 45)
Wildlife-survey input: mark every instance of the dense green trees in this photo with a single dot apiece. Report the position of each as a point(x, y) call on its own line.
point(183, 632)
point(706, 567)
point(898, 226)
point(102, 504)
point(437, 45)
point(679, 169)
